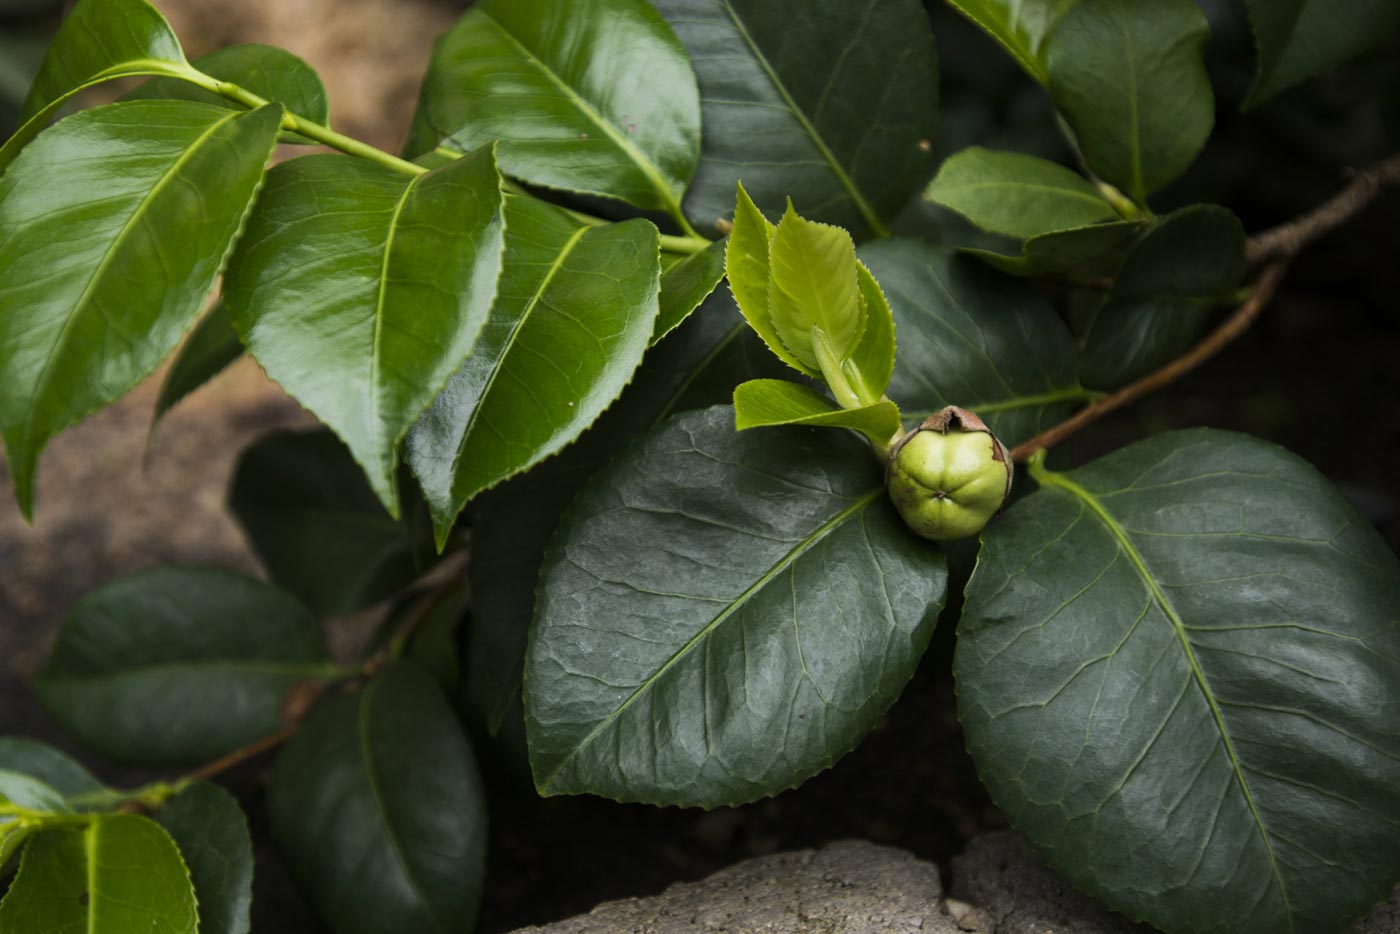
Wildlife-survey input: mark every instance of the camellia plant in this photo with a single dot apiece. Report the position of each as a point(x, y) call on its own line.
point(703, 546)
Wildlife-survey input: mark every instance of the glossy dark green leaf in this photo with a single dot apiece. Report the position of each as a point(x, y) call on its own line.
point(378, 806)
point(698, 365)
point(1017, 195)
point(1130, 77)
point(574, 313)
point(48, 765)
point(361, 291)
point(1021, 26)
point(179, 664)
point(1161, 301)
point(971, 337)
point(317, 526)
point(211, 347)
point(1177, 670)
point(1298, 39)
point(208, 826)
point(28, 793)
point(828, 102)
point(722, 615)
point(270, 72)
point(764, 403)
point(1096, 250)
point(686, 284)
point(99, 41)
point(113, 226)
point(584, 95)
point(121, 874)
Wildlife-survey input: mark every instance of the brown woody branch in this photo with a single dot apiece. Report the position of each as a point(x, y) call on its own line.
point(1276, 246)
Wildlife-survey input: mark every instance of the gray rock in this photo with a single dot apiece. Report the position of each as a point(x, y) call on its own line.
point(1017, 893)
point(844, 888)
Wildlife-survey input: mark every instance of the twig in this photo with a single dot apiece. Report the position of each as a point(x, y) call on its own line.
point(1277, 246)
point(1213, 343)
point(442, 581)
point(1289, 239)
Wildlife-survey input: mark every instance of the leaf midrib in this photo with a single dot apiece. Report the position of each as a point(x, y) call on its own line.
point(1139, 564)
point(787, 560)
point(639, 158)
point(857, 197)
point(118, 242)
point(554, 267)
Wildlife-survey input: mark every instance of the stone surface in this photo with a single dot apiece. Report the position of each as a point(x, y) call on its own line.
point(844, 888)
point(1017, 893)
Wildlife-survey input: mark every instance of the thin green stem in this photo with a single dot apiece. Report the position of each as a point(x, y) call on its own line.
point(308, 128)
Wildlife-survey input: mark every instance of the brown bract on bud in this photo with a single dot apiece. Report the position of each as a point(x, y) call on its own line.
point(949, 476)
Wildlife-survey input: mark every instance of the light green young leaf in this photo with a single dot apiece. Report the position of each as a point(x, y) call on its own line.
point(1017, 195)
point(575, 311)
point(379, 809)
point(208, 826)
point(813, 286)
point(1298, 39)
point(871, 365)
point(762, 403)
point(180, 665)
point(361, 291)
point(99, 41)
point(686, 284)
point(646, 681)
point(272, 73)
point(972, 338)
point(318, 528)
point(1162, 300)
point(584, 95)
point(113, 227)
point(1216, 629)
point(1021, 26)
point(1130, 77)
point(746, 263)
point(120, 874)
point(211, 347)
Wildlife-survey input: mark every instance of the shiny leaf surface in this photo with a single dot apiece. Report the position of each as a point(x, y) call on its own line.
point(100, 40)
point(686, 284)
point(179, 665)
point(1186, 699)
point(272, 73)
point(973, 338)
point(574, 313)
point(1298, 39)
point(722, 615)
point(209, 828)
point(1021, 26)
point(584, 95)
point(379, 809)
point(113, 227)
point(1161, 301)
point(361, 291)
point(764, 403)
point(121, 874)
point(1016, 195)
point(828, 102)
point(1130, 77)
point(698, 365)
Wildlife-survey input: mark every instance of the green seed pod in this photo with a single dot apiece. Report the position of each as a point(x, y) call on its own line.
point(949, 476)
